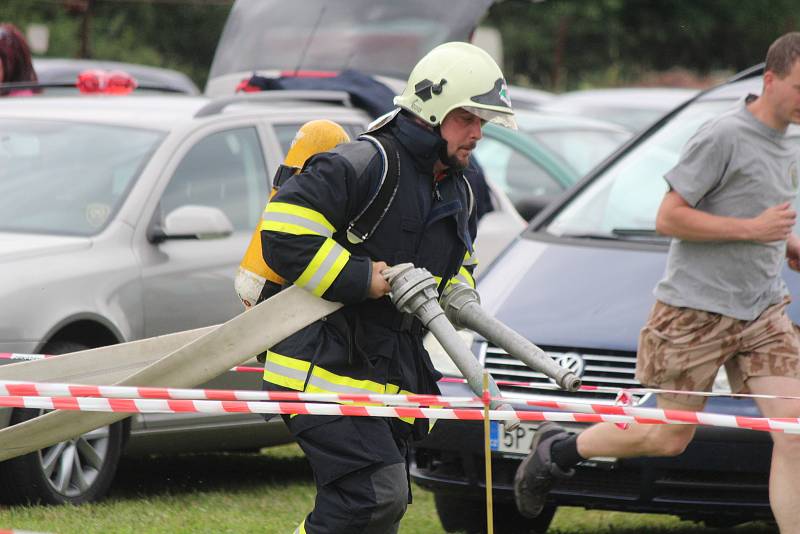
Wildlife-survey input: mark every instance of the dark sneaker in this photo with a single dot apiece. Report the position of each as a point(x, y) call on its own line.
point(537, 472)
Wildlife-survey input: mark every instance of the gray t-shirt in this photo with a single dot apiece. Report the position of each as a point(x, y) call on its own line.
point(734, 166)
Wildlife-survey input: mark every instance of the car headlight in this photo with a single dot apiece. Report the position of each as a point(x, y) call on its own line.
point(721, 384)
point(440, 359)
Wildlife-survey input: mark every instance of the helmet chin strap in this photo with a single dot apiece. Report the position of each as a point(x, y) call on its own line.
point(444, 156)
point(441, 150)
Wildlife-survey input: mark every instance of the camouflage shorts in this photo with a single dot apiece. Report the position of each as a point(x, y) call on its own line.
point(684, 348)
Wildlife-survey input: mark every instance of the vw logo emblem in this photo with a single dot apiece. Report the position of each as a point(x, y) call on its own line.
point(572, 361)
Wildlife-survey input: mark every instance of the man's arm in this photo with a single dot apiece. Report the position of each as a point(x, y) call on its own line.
point(297, 234)
point(677, 218)
point(793, 252)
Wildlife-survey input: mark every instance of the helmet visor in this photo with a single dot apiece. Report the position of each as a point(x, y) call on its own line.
point(500, 118)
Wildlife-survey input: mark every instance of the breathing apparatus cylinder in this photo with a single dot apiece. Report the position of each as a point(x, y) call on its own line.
point(312, 138)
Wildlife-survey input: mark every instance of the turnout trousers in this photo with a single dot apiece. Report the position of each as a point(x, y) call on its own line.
point(360, 471)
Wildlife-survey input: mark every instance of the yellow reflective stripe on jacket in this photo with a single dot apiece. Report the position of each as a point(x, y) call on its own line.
point(463, 277)
point(470, 259)
point(291, 373)
point(301, 528)
point(324, 267)
point(294, 371)
point(286, 372)
point(295, 220)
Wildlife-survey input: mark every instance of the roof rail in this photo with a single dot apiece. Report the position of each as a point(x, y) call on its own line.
point(749, 72)
point(218, 105)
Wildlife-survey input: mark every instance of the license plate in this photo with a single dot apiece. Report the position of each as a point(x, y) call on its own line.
point(514, 441)
point(519, 441)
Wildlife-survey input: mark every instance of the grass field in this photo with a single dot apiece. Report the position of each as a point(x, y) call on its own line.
point(265, 493)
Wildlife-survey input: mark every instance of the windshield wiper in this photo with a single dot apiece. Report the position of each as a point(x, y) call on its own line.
point(589, 235)
point(636, 232)
point(643, 234)
point(623, 234)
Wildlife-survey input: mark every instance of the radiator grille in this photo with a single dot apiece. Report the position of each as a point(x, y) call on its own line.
point(615, 369)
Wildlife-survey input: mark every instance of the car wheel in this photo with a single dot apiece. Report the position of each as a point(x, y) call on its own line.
point(458, 514)
point(76, 471)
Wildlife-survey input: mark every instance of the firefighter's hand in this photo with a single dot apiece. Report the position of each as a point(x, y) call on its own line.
point(378, 287)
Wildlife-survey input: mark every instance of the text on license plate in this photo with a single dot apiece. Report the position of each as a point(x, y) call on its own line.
point(518, 440)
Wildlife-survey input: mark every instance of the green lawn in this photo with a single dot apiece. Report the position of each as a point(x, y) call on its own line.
point(264, 493)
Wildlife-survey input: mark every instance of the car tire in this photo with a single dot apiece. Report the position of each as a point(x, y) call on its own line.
point(76, 471)
point(459, 514)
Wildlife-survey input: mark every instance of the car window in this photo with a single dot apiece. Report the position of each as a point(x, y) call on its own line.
point(581, 149)
point(286, 132)
point(515, 173)
point(628, 193)
point(66, 177)
point(224, 170)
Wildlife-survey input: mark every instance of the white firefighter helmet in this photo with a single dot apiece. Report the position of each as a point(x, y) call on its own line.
point(457, 75)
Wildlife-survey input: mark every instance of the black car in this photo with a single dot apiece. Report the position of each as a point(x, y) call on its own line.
point(578, 282)
point(51, 71)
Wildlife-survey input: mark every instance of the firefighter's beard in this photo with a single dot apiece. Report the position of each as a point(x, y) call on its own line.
point(459, 160)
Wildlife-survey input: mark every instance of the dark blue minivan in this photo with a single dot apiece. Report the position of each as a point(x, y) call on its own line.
point(578, 282)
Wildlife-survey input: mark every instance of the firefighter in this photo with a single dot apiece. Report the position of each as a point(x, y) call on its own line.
point(312, 236)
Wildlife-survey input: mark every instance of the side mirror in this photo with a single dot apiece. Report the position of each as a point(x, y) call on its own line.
point(192, 222)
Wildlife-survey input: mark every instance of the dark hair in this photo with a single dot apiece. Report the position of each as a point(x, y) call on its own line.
point(15, 55)
point(783, 53)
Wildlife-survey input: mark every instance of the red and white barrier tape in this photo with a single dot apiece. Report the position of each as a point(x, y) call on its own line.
point(173, 400)
point(618, 390)
point(91, 404)
point(673, 416)
point(46, 389)
point(20, 356)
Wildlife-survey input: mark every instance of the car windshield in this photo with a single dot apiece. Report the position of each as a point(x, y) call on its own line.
point(580, 149)
point(384, 38)
point(67, 178)
point(635, 119)
point(623, 200)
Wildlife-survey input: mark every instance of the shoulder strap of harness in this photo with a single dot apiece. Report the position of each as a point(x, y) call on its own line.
point(470, 194)
point(366, 222)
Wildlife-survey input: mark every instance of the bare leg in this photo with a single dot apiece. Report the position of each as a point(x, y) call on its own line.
point(784, 479)
point(606, 439)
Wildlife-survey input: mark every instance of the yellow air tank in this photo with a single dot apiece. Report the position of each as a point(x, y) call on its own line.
point(312, 138)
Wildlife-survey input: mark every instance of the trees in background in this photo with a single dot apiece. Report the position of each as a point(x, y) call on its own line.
point(177, 34)
point(551, 44)
point(566, 44)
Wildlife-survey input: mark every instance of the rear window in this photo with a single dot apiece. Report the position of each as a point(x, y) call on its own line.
point(375, 37)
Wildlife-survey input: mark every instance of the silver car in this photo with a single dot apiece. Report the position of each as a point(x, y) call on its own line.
point(124, 218)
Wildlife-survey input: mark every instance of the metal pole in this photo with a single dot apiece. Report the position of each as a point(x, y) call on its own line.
point(487, 453)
